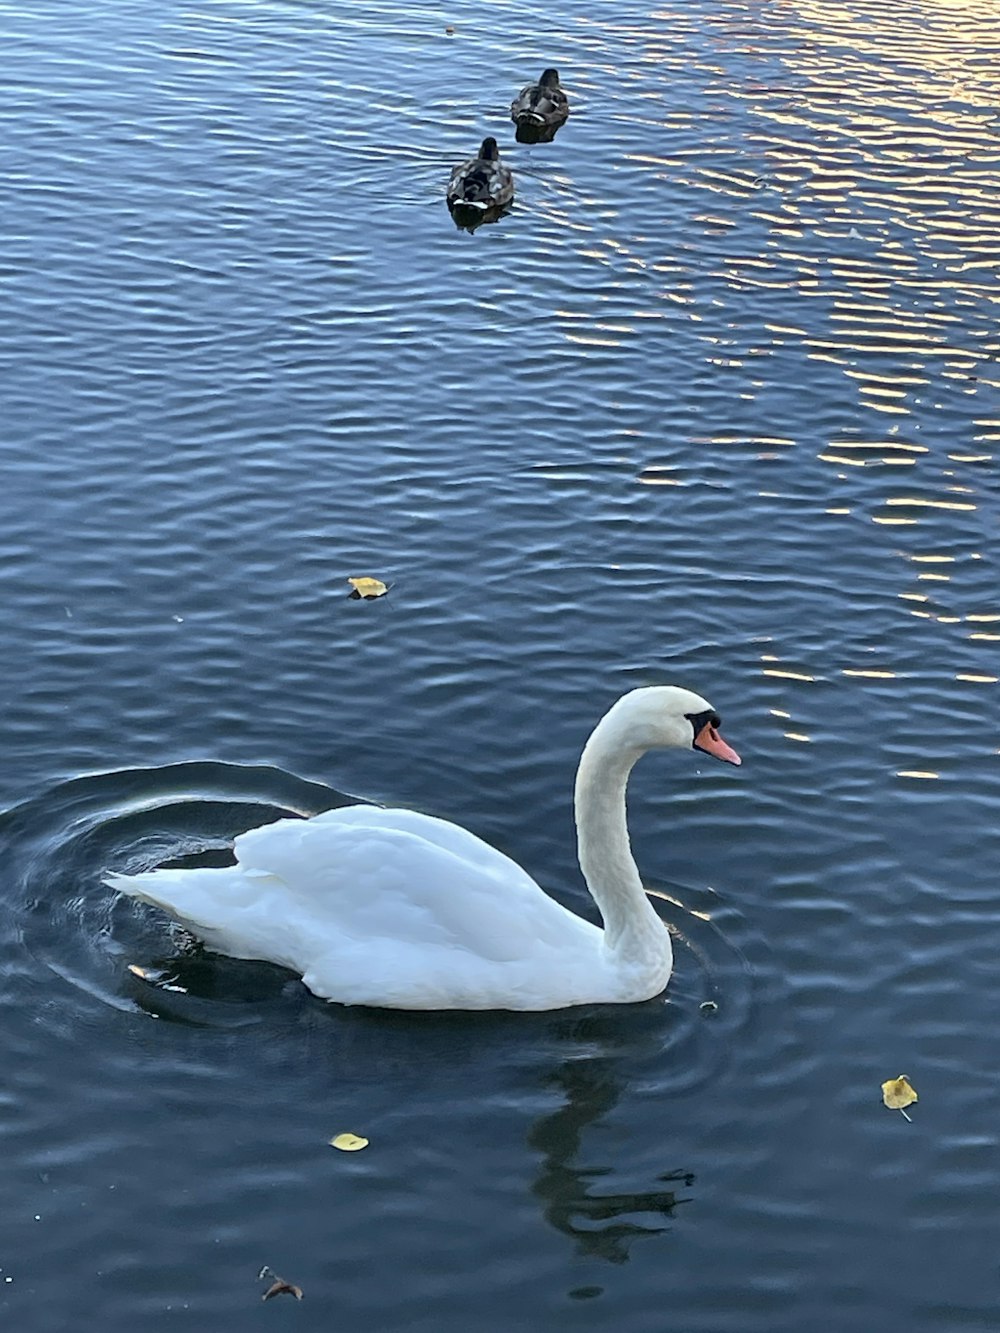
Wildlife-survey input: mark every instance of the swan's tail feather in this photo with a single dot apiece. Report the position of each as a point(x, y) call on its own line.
point(221, 905)
point(181, 893)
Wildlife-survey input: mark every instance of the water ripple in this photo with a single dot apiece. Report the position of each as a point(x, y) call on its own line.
point(716, 402)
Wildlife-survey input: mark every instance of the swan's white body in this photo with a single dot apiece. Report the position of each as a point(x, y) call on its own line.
point(393, 908)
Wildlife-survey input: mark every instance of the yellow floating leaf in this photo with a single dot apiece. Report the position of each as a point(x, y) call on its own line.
point(368, 588)
point(348, 1142)
point(897, 1093)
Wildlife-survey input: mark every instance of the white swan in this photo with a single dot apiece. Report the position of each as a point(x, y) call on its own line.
point(398, 909)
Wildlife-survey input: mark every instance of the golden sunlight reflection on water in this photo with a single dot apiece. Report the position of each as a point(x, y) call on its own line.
point(839, 203)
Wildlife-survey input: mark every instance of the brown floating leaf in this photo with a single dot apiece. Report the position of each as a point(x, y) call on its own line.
point(278, 1287)
point(368, 588)
point(897, 1093)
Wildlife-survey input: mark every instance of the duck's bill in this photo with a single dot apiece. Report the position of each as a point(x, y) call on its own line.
point(709, 740)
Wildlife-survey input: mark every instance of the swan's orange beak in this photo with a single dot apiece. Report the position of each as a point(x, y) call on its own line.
point(709, 740)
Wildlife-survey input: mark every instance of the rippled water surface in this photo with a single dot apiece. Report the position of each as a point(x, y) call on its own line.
point(716, 403)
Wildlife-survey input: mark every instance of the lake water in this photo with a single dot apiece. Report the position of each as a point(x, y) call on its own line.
point(717, 403)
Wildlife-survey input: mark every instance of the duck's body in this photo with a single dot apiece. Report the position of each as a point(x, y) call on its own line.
point(483, 183)
point(398, 909)
point(541, 106)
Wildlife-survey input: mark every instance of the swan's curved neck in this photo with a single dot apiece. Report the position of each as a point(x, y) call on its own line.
point(632, 929)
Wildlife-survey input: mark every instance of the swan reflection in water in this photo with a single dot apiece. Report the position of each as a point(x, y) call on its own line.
point(602, 1225)
point(188, 987)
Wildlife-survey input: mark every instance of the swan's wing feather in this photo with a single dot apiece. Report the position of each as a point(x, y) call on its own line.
point(234, 911)
point(400, 876)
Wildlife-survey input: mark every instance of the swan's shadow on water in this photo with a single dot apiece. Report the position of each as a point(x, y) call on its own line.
point(61, 917)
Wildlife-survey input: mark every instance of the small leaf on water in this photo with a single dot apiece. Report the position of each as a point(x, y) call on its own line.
point(367, 588)
point(897, 1093)
point(348, 1142)
point(278, 1287)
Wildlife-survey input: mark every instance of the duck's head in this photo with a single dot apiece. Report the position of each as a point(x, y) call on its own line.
point(489, 151)
point(668, 717)
point(549, 79)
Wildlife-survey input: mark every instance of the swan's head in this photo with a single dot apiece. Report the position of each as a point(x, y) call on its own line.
point(668, 717)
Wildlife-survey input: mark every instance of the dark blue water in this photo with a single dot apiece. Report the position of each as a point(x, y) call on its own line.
point(718, 403)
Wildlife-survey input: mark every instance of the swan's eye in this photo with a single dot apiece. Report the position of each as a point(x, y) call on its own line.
point(701, 720)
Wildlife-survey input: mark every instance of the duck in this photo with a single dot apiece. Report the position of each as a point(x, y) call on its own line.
point(397, 909)
point(540, 108)
point(483, 183)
